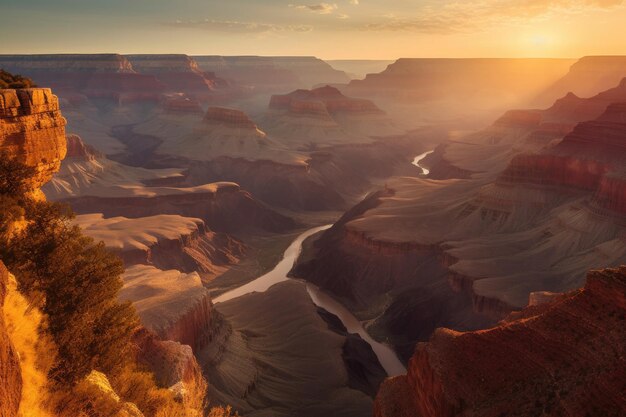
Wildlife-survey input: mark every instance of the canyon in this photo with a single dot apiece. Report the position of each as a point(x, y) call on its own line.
point(465, 251)
point(530, 364)
point(455, 252)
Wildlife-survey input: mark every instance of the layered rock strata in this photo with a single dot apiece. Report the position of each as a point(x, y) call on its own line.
point(32, 131)
point(564, 356)
point(108, 76)
point(165, 241)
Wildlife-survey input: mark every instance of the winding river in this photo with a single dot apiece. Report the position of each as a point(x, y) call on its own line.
point(419, 158)
point(386, 356)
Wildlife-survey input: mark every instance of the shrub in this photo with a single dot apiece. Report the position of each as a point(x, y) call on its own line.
point(8, 80)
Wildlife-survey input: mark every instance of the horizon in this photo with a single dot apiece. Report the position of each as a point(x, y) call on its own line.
point(369, 29)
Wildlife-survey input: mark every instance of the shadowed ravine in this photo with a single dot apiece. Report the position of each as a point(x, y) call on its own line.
point(386, 356)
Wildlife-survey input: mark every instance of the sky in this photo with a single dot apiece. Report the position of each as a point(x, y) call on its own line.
point(339, 29)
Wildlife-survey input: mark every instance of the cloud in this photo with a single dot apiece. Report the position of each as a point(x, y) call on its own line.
point(481, 14)
point(321, 8)
point(237, 27)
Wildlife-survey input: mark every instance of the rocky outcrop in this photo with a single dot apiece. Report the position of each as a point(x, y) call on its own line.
point(76, 148)
point(10, 372)
point(32, 131)
point(174, 366)
point(179, 73)
point(100, 382)
point(229, 117)
point(166, 242)
point(325, 98)
point(561, 357)
point(172, 304)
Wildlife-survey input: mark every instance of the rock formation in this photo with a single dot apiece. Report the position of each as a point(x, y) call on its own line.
point(173, 304)
point(224, 207)
point(179, 73)
point(32, 131)
point(466, 92)
point(275, 355)
point(542, 204)
point(324, 116)
point(271, 73)
point(564, 356)
point(329, 98)
point(589, 75)
point(166, 242)
point(109, 76)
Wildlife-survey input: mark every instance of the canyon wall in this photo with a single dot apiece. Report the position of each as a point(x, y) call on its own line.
point(32, 131)
point(473, 79)
point(269, 73)
point(589, 75)
point(561, 357)
point(225, 207)
point(76, 77)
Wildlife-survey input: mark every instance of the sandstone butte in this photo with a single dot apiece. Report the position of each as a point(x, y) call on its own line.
point(32, 131)
point(565, 357)
point(322, 101)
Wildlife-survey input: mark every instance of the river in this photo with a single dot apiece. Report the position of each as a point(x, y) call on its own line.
point(419, 158)
point(386, 356)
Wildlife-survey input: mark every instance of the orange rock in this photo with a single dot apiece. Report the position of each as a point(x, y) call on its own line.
point(565, 357)
point(32, 130)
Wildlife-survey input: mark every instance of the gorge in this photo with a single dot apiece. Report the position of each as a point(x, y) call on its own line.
point(443, 238)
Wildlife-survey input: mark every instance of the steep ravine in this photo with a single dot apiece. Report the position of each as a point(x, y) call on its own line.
point(241, 359)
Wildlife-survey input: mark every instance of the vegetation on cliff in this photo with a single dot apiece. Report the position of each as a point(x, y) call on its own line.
point(8, 80)
point(74, 282)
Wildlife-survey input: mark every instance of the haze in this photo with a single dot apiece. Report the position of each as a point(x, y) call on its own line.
point(371, 29)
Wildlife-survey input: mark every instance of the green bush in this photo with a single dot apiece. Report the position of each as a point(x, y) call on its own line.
point(8, 80)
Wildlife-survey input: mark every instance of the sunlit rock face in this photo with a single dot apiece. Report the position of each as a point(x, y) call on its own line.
point(78, 149)
point(590, 158)
point(173, 304)
point(166, 242)
point(565, 354)
point(32, 131)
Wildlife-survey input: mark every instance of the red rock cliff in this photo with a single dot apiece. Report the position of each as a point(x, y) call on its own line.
point(32, 130)
point(565, 357)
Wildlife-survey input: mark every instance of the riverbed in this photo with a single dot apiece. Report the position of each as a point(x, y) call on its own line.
point(386, 355)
